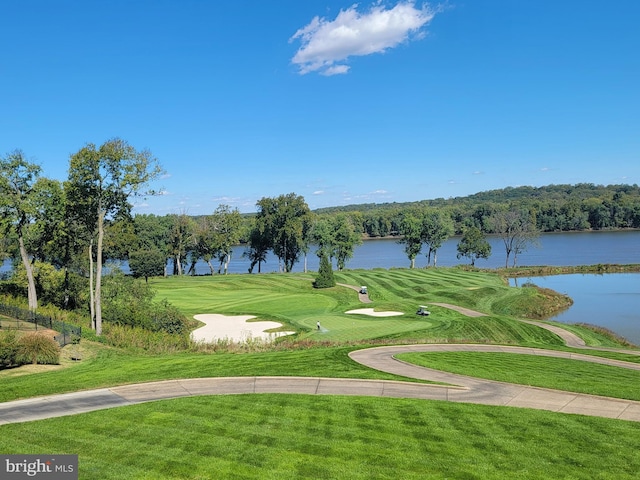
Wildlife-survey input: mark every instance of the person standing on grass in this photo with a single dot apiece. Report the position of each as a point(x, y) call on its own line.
point(318, 325)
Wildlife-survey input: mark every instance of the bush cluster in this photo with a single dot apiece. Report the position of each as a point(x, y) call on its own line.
point(33, 347)
point(8, 348)
point(130, 302)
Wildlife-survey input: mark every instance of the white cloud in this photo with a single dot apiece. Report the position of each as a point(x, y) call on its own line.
point(318, 192)
point(335, 70)
point(326, 44)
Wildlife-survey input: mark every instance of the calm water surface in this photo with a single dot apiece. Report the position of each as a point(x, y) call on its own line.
point(611, 300)
point(559, 249)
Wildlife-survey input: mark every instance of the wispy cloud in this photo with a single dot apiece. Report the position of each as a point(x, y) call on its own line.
point(327, 44)
point(372, 196)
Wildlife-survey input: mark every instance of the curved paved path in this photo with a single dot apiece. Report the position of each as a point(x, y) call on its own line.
point(363, 297)
point(458, 388)
point(488, 392)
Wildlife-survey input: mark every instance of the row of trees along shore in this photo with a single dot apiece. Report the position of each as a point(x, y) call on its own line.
point(72, 227)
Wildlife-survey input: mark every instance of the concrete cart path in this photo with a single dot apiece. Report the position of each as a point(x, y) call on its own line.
point(459, 389)
point(363, 297)
point(488, 392)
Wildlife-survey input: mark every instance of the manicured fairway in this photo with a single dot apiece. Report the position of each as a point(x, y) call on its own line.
point(297, 436)
point(291, 300)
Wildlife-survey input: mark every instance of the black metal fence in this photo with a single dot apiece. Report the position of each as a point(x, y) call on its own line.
point(66, 333)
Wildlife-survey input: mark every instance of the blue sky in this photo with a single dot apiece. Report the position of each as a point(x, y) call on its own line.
point(340, 103)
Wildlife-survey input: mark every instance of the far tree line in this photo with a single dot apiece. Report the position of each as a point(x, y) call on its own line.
point(72, 227)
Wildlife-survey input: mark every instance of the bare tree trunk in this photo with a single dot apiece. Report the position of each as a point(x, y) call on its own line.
point(211, 269)
point(227, 259)
point(177, 264)
point(192, 269)
point(92, 301)
point(31, 284)
point(98, 296)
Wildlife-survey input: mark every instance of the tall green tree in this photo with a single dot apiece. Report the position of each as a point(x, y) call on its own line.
point(473, 245)
point(437, 227)
point(147, 263)
point(259, 246)
point(322, 237)
point(336, 237)
point(227, 228)
point(101, 181)
point(517, 229)
point(215, 236)
point(411, 231)
point(48, 228)
point(286, 221)
point(345, 239)
point(181, 241)
point(22, 201)
point(152, 233)
point(325, 278)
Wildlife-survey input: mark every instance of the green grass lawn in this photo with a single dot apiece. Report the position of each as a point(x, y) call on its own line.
point(298, 436)
point(547, 372)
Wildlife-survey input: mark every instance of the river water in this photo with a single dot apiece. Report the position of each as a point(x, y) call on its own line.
point(569, 249)
point(610, 300)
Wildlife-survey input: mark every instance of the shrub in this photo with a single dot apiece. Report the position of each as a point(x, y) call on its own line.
point(8, 348)
point(325, 277)
point(167, 318)
point(37, 348)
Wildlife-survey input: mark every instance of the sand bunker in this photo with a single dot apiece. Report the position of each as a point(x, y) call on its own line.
point(372, 313)
point(235, 328)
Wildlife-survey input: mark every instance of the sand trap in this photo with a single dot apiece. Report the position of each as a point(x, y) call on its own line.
point(235, 328)
point(372, 313)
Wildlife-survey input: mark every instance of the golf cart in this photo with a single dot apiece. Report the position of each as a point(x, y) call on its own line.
point(363, 290)
point(423, 311)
